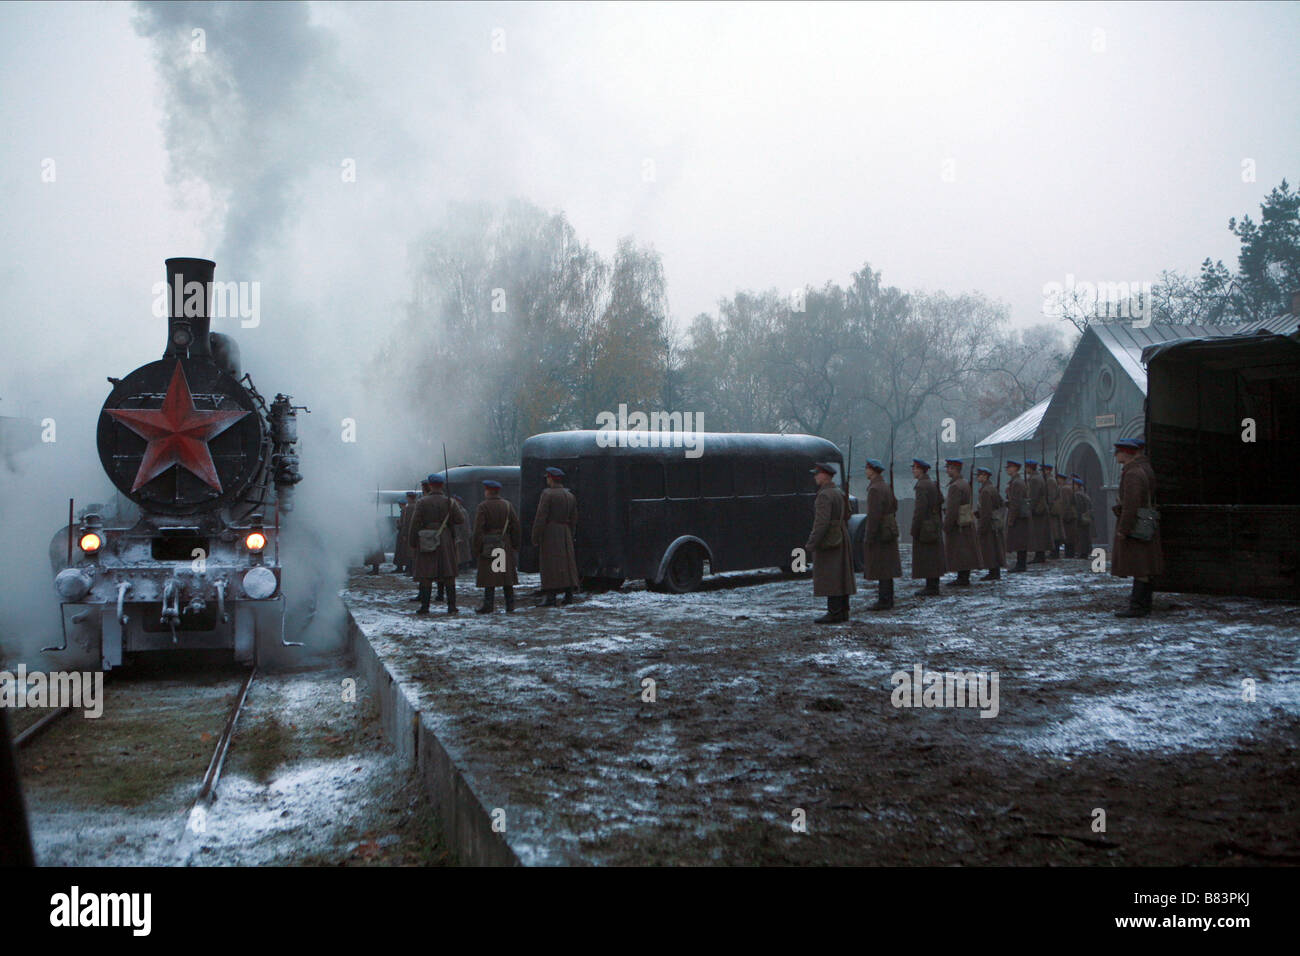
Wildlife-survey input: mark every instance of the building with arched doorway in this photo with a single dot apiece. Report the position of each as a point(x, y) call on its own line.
point(1100, 399)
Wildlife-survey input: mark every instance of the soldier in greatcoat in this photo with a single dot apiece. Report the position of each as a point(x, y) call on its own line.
point(882, 563)
point(464, 558)
point(1053, 512)
point(927, 530)
point(992, 545)
point(1083, 526)
point(435, 511)
point(496, 516)
point(402, 549)
point(1040, 528)
point(1130, 556)
point(1018, 508)
point(557, 517)
point(829, 547)
point(1069, 514)
point(425, 488)
point(961, 547)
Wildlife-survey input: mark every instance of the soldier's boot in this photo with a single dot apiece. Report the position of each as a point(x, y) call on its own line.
point(1020, 561)
point(832, 612)
point(489, 602)
point(426, 589)
point(442, 593)
point(995, 574)
point(568, 596)
point(1135, 607)
point(550, 599)
point(510, 598)
point(451, 597)
point(844, 608)
point(963, 580)
point(1039, 558)
point(884, 595)
point(931, 588)
point(1147, 593)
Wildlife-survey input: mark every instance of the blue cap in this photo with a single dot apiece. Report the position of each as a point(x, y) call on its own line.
point(1141, 442)
point(1012, 461)
point(1031, 461)
point(554, 472)
point(1077, 479)
point(489, 483)
point(876, 464)
point(822, 466)
point(953, 461)
point(1047, 466)
point(982, 470)
point(1130, 444)
point(922, 462)
point(436, 479)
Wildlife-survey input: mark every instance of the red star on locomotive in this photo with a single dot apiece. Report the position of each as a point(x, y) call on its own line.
point(178, 433)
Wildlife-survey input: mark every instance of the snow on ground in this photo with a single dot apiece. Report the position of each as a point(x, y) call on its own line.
point(759, 712)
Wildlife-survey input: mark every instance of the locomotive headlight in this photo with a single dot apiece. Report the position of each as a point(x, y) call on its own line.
point(259, 583)
point(72, 584)
point(181, 337)
point(91, 542)
point(255, 541)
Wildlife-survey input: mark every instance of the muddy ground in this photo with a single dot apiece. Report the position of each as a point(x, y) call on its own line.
point(309, 778)
point(759, 713)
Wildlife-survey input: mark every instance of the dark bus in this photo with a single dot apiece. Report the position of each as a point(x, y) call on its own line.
point(745, 503)
point(1229, 506)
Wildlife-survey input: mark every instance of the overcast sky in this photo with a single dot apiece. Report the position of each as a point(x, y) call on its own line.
point(790, 144)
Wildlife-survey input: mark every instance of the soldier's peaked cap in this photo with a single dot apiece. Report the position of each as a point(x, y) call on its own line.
point(981, 468)
point(1012, 461)
point(489, 483)
point(922, 463)
point(821, 466)
point(953, 461)
point(555, 472)
point(875, 463)
point(1031, 462)
point(1077, 479)
point(1129, 444)
point(1047, 466)
point(436, 479)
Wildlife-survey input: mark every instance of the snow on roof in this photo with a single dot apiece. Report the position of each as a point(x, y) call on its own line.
point(1021, 428)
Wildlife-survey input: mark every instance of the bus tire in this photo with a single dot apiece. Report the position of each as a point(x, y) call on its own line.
point(685, 570)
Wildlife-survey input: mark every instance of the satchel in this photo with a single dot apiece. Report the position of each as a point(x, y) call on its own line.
point(1085, 518)
point(965, 517)
point(929, 532)
point(999, 522)
point(1024, 507)
point(431, 538)
point(494, 540)
point(1040, 506)
point(888, 532)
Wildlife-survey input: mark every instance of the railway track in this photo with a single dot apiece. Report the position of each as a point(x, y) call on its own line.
point(26, 737)
point(197, 817)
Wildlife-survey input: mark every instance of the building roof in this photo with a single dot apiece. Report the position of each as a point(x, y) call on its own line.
point(1021, 428)
point(1125, 343)
point(1284, 324)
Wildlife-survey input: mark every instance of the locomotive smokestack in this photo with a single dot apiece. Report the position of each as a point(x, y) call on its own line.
point(189, 298)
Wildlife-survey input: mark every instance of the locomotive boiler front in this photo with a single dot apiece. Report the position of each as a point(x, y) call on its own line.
point(209, 464)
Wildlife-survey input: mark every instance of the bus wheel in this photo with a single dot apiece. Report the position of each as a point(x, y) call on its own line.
point(685, 571)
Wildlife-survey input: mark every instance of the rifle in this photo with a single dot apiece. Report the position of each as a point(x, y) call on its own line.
point(937, 493)
point(451, 502)
point(848, 469)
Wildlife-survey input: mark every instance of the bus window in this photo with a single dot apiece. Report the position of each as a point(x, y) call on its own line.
point(715, 477)
point(749, 479)
point(683, 479)
point(645, 479)
point(807, 484)
point(780, 478)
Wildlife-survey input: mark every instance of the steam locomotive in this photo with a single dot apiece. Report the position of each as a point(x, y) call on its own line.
point(209, 467)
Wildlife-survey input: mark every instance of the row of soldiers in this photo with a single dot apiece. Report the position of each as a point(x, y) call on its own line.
point(434, 533)
point(1041, 513)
